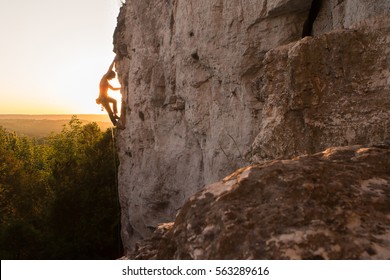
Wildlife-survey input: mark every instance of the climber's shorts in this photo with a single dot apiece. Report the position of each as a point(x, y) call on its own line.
point(99, 100)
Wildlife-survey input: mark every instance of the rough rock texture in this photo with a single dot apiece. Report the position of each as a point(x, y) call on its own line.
point(339, 14)
point(212, 86)
point(325, 91)
point(191, 113)
point(331, 205)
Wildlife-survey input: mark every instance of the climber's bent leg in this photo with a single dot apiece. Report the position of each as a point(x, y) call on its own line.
point(114, 104)
point(106, 106)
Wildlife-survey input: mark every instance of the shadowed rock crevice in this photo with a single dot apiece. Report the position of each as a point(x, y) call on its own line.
point(308, 25)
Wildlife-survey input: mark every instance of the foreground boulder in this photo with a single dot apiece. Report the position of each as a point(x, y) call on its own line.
point(330, 205)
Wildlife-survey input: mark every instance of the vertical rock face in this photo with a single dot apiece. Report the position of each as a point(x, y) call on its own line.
point(339, 14)
point(211, 86)
point(326, 91)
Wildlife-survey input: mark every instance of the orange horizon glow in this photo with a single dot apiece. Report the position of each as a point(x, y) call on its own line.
point(54, 55)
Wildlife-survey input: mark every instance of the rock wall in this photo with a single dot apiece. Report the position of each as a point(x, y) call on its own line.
point(339, 14)
point(331, 205)
point(325, 91)
point(212, 86)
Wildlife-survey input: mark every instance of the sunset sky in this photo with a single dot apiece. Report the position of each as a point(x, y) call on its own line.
point(53, 54)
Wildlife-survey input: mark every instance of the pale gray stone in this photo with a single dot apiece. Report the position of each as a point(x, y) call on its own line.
point(211, 86)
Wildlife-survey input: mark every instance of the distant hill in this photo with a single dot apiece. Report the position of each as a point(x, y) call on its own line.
point(42, 125)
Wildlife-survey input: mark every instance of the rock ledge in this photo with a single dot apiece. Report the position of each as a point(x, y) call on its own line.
point(330, 205)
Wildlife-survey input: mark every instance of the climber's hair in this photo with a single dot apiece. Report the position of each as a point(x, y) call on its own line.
point(110, 75)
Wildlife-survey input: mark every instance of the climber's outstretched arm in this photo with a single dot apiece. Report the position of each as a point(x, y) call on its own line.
point(112, 64)
point(113, 88)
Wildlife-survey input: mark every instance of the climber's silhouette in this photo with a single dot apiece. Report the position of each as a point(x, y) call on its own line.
point(104, 99)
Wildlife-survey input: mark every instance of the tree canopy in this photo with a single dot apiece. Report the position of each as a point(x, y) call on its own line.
point(58, 197)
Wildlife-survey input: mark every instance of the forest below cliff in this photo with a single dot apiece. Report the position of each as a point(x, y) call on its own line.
point(58, 197)
point(40, 126)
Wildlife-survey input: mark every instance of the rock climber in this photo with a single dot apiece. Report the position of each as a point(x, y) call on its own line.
point(104, 99)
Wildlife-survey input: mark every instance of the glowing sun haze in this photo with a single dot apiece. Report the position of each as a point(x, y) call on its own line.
point(53, 54)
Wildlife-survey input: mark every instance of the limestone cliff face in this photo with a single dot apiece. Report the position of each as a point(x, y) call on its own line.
point(326, 91)
point(212, 86)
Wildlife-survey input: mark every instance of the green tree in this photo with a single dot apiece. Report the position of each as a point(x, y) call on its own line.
point(86, 203)
point(24, 193)
point(59, 200)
